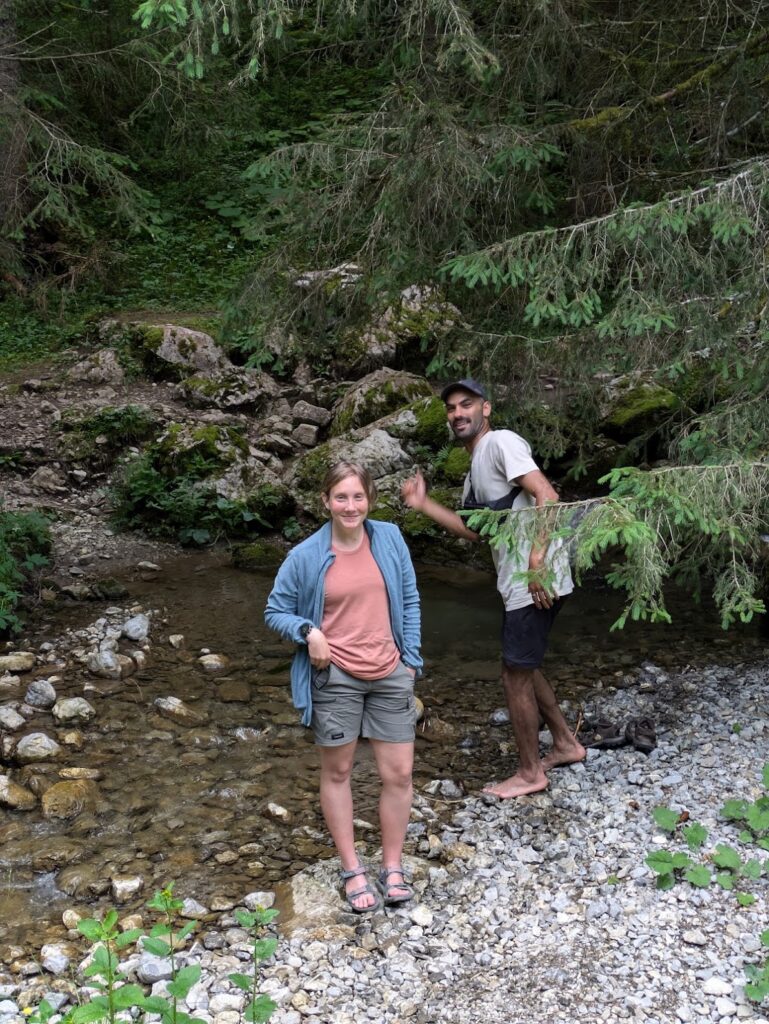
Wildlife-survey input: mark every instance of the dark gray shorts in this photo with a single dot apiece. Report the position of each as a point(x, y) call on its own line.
point(344, 708)
point(525, 632)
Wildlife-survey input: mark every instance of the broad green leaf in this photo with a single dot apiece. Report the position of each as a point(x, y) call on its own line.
point(155, 1004)
point(660, 861)
point(666, 818)
point(90, 928)
point(666, 881)
point(128, 996)
point(727, 857)
point(185, 930)
point(155, 946)
point(757, 815)
point(242, 981)
point(127, 938)
point(734, 809)
point(260, 1010)
point(184, 980)
point(725, 879)
point(752, 869)
point(264, 948)
point(89, 1013)
point(695, 835)
point(745, 899)
point(698, 875)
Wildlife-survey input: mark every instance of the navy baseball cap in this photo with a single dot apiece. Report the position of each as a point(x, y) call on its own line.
point(468, 384)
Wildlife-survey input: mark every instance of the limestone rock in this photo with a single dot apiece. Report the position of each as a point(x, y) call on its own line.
point(125, 887)
point(56, 957)
point(235, 388)
point(11, 720)
point(635, 403)
point(17, 661)
point(214, 663)
point(418, 314)
point(102, 367)
point(36, 747)
point(303, 412)
point(68, 799)
point(49, 480)
point(14, 796)
point(182, 346)
point(305, 434)
point(179, 712)
point(40, 694)
point(376, 395)
point(73, 709)
point(136, 628)
point(104, 664)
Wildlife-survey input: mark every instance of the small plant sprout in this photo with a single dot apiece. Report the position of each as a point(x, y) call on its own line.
point(182, 979)
point(104, 974)
point(757, 988)
point(260, 1007)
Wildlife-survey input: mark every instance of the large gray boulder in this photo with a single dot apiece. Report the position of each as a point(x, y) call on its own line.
point(380, 453)
point(230, 388)
point(375, 395)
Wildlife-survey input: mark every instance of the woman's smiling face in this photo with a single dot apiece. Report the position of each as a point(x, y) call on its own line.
point(347, 503)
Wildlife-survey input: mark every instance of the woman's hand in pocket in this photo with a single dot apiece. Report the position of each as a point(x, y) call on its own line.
point(411, 671)
point(318, 649)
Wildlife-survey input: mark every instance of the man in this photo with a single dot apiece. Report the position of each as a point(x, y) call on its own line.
point(504, 475)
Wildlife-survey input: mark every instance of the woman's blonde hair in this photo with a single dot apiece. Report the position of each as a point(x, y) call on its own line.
point(341, 470)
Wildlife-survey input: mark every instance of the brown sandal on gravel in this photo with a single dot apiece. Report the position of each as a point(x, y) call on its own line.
point(364, 890)
point(642, 734)
point(602, 734)
point(386, 888)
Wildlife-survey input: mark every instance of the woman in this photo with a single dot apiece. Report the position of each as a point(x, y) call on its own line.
point(347, 597)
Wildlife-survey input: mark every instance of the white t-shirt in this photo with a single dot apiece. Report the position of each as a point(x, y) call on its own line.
point(499, 458)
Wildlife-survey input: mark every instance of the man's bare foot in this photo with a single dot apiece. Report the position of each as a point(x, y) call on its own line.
point(559, 756)
point(515, 786)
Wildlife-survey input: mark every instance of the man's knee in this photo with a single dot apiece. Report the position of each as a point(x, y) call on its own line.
point(517, 676)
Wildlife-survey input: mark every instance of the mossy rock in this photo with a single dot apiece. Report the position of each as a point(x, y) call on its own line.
point(166, 351)
point(102, 434)
point(455, 467)
point(271, 503)
point(258, 555)
point(235, 388)
point(197, 451)
point(639, 406)
point(376, 395)
point(312, 468)
point(432, 428)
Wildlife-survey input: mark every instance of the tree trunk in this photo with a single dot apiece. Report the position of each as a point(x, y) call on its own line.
point(12, 139)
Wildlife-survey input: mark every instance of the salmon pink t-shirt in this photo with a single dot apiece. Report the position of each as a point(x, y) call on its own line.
point(356, 615)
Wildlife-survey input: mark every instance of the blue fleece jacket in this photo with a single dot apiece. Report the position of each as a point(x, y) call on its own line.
point(298, 594)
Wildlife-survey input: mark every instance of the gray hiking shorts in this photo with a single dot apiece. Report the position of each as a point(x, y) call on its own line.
point(344, 708)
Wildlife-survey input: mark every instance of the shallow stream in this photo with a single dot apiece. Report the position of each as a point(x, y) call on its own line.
point(191, 805)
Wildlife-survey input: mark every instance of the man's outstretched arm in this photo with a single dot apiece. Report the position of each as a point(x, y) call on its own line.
point(414, 493)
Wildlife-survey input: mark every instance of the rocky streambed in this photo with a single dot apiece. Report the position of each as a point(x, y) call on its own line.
point(539, 910)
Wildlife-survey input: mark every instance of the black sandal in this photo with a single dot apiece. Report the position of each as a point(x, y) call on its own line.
point(365, 890)
point(642, 734)
point(386, 887)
